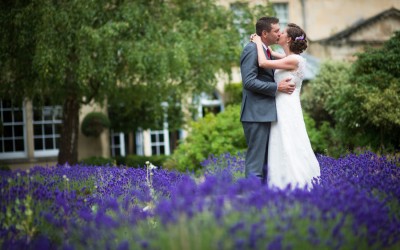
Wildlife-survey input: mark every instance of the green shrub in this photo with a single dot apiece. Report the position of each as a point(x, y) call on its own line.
point(319, 137)
point(97, 161)
point(129, 161)
point(94, 123)
point(233, 94)
point(140, 160)
point(4, 167)
point(211, 135)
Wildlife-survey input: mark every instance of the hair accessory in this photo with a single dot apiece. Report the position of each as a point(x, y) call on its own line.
point(299, 38)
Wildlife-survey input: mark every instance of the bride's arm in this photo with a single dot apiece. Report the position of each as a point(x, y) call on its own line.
point(284, 63)
point(276, 54)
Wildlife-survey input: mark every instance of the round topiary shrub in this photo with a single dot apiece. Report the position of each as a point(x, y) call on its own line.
point(94, 123)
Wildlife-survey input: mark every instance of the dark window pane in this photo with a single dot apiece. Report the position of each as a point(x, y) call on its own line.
point(48, 129)
point(39, 144)
point(117, 152)
point(47, 115)
point(7, 116)
point(18, 116)
point(49, 143)
point(37, 129)
point(1, 146)
point(57, 143)
point(153, 150)
point(37, 115)
point(19, 130)
point(8, 131)
point(57, 128)
point(6, 103)
point(116, 140)
point(57, 114)
point(161, 138)
point(19, 145)
point(153, 138)
point(8, 146)
point(162, 150)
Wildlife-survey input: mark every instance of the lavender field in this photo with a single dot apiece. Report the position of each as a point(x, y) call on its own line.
point(354, 205)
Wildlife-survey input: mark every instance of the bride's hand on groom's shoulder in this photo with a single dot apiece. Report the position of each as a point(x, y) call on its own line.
point(254, 38)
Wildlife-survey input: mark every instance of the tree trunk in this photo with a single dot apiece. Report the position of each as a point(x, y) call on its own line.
point(69, 131)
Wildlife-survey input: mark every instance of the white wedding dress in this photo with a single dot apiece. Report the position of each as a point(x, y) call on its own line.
point(291, 159)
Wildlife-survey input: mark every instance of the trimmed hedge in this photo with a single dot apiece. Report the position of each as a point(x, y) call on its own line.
point(97, 161)
point(140, 160)
point(4, 167)
point(134, 161)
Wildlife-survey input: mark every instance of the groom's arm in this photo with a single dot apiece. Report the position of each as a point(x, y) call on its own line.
point(249, 71)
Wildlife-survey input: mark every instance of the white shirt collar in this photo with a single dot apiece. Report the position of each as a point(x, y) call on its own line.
point(265, 46)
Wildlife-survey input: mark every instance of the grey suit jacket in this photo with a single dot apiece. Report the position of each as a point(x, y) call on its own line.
point(259, 88)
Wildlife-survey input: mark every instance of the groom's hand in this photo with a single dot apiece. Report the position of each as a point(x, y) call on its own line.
point(286, 86)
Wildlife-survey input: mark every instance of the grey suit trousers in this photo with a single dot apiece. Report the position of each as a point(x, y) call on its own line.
point(257, 137)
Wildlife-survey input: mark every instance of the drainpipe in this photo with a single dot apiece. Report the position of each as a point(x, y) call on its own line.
point(303, 13)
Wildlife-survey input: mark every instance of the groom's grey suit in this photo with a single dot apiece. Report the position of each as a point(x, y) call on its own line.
point(257, 111)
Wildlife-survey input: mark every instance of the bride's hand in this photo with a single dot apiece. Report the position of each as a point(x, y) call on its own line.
point(275, 54)
point(255, 38)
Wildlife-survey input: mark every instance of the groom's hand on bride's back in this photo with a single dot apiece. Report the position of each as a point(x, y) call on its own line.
point(286, 86)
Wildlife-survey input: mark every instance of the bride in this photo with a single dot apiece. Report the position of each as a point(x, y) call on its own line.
point(291, 159)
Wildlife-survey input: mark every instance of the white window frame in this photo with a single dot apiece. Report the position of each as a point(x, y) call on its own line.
point(15, 154)
point(238, 12)
point(114, 145)
point(157, 143)
point(165, 132)
point(282, 12)
point(139, 142)
point(53, 122)
point(207, 101)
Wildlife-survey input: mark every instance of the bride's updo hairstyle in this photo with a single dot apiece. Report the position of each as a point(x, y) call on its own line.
point(299, 38)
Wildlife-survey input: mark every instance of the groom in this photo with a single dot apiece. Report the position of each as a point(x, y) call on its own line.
point(258, 103)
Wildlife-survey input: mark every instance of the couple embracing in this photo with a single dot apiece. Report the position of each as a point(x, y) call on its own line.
point(279, 150)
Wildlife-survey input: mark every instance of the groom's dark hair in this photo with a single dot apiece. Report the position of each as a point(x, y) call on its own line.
point(264, 23)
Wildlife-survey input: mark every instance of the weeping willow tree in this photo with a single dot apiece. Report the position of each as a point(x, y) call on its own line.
point(71, 53)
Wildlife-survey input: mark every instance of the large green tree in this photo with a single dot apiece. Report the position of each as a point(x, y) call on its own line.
point(73, 52)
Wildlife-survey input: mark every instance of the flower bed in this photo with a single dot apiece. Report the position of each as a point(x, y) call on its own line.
point(355, 205)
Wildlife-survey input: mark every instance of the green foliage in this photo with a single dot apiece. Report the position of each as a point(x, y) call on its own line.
point(22, 220)
point(322, 92)
point(211, 135)
point(361, 101)
point(128, 110)
point(318, 99)
point(233, 93)
point(140, 160)
point(4, 167)
point(319, 137)
point(246, 15)
point(369, 109)
point(94, 123)
point(134, 161)
point(98, 161)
